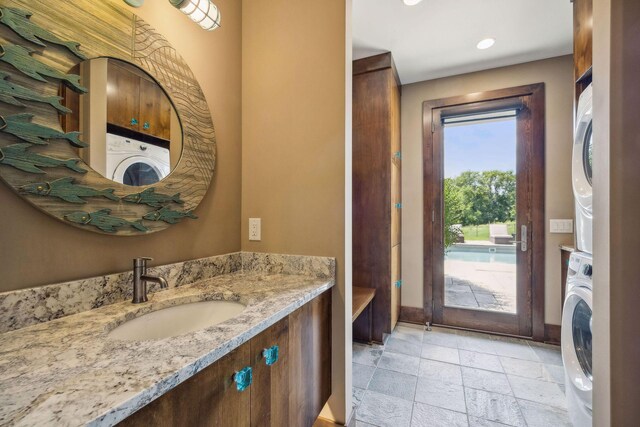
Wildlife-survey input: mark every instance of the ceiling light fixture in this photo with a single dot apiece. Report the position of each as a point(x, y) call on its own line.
point(411, 2)
point(202, 12)
point(486, 43)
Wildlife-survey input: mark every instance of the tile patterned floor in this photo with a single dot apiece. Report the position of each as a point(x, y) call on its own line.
point(455, 378)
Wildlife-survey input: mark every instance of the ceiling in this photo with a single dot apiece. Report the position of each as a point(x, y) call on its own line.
point(437, 38)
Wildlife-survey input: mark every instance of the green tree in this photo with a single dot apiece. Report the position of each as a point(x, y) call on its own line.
point(453, 207)
point(484, 197)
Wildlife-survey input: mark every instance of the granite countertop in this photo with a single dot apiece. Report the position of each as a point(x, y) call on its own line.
point(68, 372)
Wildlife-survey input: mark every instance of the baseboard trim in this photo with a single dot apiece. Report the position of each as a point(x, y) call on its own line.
point(552, 334)
point(412, 315)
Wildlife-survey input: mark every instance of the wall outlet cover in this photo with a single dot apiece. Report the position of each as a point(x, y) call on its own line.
point(255, 229)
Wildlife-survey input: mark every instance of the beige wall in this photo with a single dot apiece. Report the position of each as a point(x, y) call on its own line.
point(37, 249)
point(602, 339)
point(557, 74)
point(616, 197)
point(293, 142)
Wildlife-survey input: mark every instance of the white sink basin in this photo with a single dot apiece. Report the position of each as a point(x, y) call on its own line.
point(177, 320)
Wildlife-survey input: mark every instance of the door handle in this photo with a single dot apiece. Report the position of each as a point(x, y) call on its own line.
point(524, 239)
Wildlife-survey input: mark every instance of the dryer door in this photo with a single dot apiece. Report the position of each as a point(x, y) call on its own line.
point(582, 163)
point(576, 341)
point(139, 171)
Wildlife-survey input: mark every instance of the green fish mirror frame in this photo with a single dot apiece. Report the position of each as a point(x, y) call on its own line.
point(40, 161)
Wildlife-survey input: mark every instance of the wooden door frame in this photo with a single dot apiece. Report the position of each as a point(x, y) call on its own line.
point(536, 95)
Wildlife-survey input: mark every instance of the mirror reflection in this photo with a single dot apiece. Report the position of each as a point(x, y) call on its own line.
point(133, 129)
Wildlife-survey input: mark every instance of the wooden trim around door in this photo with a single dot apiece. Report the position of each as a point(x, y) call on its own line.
point(536, 100)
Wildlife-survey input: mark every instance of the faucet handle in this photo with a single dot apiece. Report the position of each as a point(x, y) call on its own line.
point(141, 262)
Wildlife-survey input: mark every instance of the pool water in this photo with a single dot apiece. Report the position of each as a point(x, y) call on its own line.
point(480, 255)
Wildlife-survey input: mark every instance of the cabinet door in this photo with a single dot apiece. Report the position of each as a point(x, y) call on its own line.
point(395, 288)
point(582, 36)
point(210, 398)
point(269, 391)
point(123, 101)
point(155, 110)
point(309, 360)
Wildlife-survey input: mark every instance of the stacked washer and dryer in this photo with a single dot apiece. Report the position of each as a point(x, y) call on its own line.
point(577, 310)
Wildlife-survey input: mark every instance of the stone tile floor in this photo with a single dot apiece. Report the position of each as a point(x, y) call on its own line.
point(480, 285)
point(455, 378)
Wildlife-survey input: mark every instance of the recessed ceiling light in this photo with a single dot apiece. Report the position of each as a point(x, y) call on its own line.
point(411, 2)
point(486, 43)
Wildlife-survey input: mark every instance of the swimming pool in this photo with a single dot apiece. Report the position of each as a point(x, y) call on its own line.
point(488, 254)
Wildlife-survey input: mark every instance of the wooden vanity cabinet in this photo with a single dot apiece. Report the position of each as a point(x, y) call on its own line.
point(290, 392)
point(137, 103)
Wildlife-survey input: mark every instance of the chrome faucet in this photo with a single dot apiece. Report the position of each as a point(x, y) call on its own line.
point(140, 279)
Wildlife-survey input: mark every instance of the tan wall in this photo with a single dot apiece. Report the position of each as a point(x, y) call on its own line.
point(616, 197)
point(37, 249)
point(93, 114)
point(293, 141)
point(603, 406)
point(557, 74)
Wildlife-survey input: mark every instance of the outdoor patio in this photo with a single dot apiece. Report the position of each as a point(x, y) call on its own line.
point(480, 285)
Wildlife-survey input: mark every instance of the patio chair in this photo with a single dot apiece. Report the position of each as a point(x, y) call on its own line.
point(499, 234)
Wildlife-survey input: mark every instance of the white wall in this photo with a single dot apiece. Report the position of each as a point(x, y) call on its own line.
point(557, 74)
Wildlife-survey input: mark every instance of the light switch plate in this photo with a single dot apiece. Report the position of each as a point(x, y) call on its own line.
point(255, 229)
point(561, 226)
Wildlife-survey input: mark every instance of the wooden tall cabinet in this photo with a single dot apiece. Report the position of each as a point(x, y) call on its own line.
point(377, 201)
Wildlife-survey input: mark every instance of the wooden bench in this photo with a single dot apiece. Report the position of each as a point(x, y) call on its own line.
point(362, 300)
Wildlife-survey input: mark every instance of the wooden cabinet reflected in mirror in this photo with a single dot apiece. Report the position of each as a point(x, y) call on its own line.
point(135, 132)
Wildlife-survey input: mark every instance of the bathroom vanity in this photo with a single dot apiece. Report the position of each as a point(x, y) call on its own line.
point(291, 391)
point(73, 370)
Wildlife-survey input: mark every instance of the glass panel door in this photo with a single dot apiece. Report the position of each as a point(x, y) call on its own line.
point(479, 227)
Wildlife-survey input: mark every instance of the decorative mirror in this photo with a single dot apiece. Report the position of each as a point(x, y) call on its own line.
point(112, 135)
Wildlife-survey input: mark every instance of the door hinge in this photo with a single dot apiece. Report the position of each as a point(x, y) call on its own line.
point(433, 216)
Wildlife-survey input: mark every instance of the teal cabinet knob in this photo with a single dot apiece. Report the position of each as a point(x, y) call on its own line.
point(134, 121)
point(270, 355)
point(243, 378)
point(146, 126)
point(398, 283)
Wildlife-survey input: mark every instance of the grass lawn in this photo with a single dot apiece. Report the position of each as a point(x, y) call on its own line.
point(481, 232)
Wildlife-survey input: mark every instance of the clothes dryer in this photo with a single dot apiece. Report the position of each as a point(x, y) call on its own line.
point(582, 171)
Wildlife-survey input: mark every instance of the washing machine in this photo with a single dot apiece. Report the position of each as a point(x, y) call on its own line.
point(132, 162)
point(576, 339)
point(582, 168)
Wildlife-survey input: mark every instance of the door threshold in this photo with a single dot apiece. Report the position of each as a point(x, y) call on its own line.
point(459, 328)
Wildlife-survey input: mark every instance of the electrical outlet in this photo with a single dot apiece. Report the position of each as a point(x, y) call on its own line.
point(255, 229)
point(561, 226)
